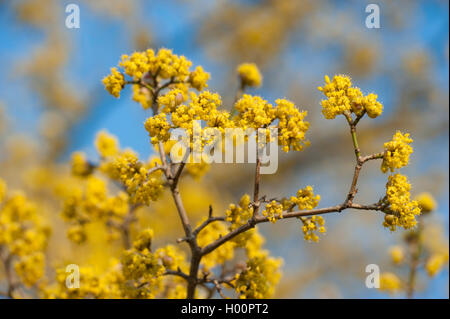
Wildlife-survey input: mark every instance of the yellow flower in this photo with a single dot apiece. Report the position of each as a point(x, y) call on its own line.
point(291, 125)
point(169, 101)
point(2, 190)
point(397, 152)
point(30, 268)
point(199, 78)
point(258, 279)
point(306, 199)
point(142, 95)
point(114, 82)
point(389, 282)
point(426, 202)
point(254, 112)
point(23, 236)
point(106, 144)
point(136, 64)
point(342, 97)
point(172, 257)
point(371, 105)
point(240, 214)
point(435, 263)
point(339, 96)
point(273, 211)
point(401, 211)
point(80, 165)
point(197, 170)
point(77, 234)
point(397, 254)
point(249, 74)
point(312, 225)
point(220, 255)
point(158, 128)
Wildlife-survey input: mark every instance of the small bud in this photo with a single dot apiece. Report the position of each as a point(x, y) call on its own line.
point(178, 99)
point(389, 219)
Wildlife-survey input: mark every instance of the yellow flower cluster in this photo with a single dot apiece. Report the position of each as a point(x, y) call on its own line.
point(249, 74)
point(30, 268)
point(142, 267)
point(396, 152)
point(158, 128)
point(240, 214)
point(2, 190)
point(92, 284)
point(197, 170)
point(401, 211)
point(141, 185)
point(435, 245)
point(198, 78)
point(397, 254)
point(144, 68)
point(273, 211)
point(142, 95)
point(106, 144)
point(208, 235)
point(426, 201)
point(172, 257)
point(291, 125)
point(305, 199)
point(202, 107)
point(114, 82)
point(23, 237)
point(435, 263)
point(259, 278)
point(257, 113)
point(254, 112)
point(368, 103)
point(342, 97)
point(312, 225)
point(80, 165)
point(169, 101)
point(82, 206)
point(164, 63)
point(389, 282)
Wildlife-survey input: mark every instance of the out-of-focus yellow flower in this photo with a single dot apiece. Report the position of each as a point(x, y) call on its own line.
point(435, 263)
point(397, 254)
point(107, 144)
point(2, 189)
point(222, 254)
point(390, 283)
point(80, 165)
point(426, 201)
point(249, 74)
point(143, 96)
point(259, 278)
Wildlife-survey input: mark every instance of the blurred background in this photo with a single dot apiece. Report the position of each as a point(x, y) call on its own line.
point(52, 102)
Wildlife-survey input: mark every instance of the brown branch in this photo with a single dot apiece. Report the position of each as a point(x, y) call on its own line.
point(178, 273)
point(206, 223)
point(7, 262)
point(256, 202)
point(261, 219)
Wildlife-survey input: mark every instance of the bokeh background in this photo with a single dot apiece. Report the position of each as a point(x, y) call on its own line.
point(52, 103)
